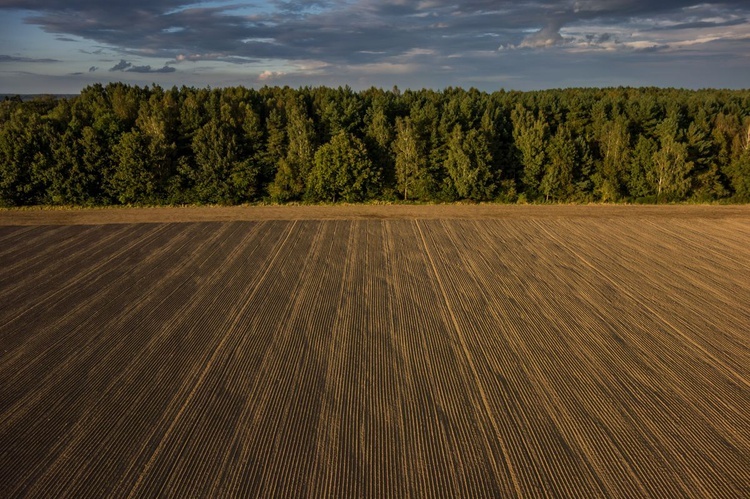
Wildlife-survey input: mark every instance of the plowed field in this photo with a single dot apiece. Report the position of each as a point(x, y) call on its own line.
point(396, 357)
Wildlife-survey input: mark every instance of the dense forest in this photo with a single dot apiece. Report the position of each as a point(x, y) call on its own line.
point(120, 144)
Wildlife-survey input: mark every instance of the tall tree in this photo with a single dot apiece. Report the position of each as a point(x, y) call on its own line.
point(121, 143)
point(379, 138)
point(343, 171)
point(133, 179)
point(153, 163)
point(739, 169)
point(530, 135)
point(468, 165)
point(557, 183)
point(273, 155)
point(224, 174)
point(24, 155)
point(641, 162)
point(583, 169)
point(301, 141)
point(614, 146)
point(669, 174)
point(411, 164)
point(292, 173)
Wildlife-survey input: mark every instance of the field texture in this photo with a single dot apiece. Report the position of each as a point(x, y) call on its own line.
point(378, 358)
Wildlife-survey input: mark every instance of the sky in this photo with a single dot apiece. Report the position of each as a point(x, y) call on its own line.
point(61, 46)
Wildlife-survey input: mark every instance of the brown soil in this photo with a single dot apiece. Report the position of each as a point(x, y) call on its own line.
point(77, 216)
point(605, 353)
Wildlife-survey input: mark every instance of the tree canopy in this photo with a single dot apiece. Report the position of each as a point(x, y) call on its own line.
point(119, 144)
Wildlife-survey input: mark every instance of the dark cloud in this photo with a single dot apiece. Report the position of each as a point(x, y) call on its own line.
point(10, 58)
point(297, 6)
point(339, 32)
point(128, 67)
point(88, 5)
point(147, 69)
point(600, 38)
point(212, 57)
point(93, 69)
point(651, 49)
point(704, 24)
point(368, 37)
point(644, 7)
point(121, 66)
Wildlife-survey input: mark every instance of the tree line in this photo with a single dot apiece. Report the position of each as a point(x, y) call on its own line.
point(121, 144)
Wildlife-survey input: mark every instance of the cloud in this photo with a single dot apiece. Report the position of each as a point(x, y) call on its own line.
point(147, 69)
point(121, 66)
point(128, 67)
point(352, 32)
point(212, 57)
point(645, 47)
point(549, 36)
point(270, 75)
point(385, 35)
point(10, 58)
point(93, 69)
point(704, 24)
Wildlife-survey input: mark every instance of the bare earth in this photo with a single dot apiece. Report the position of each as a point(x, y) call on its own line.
point(41, 216)
point(397, 351)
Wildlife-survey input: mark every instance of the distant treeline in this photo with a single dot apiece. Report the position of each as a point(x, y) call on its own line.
point(119, 144)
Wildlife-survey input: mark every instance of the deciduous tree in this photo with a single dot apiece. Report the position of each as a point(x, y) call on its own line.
point(669, 175)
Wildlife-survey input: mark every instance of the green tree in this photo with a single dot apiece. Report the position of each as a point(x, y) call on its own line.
point(740, 177)
point(294, 168)
point(530, 135)
point(583, 169)
point(726, 128)
point(223, 174)
point(69, 181)
point(641, 162)
point(557, 183)
point(379, 138)
point(699, 144)
point(341, 110)
point(126, 101)
point(710, 184)
point(739, 169)
point(614, 146)
point(157, 124)
point(272, 156)
point(468, 165)
point(121, 143)
point(133, 179)
point(488, 127)
point(343, 171)
point(301, 143)
point(669, 175)
point(94, 146)
point(707, 183)
point(24, 156)
point(411, 164)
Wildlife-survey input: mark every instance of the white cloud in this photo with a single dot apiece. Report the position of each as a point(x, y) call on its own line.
point(311, 66)
point(418, 51)
point(380, 68)
point(270, 75)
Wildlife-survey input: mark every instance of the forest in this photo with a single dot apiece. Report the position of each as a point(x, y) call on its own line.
point(122, 144)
